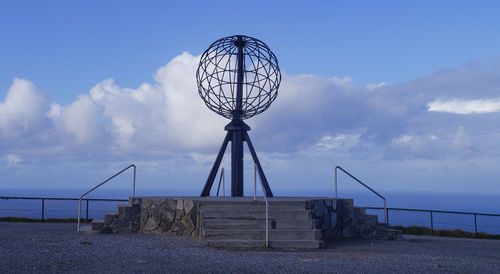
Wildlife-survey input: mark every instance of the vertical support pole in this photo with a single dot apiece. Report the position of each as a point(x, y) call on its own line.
point(475, 223)
point(43, 209)
point(237, 141)
point(133, 185)
point(336, 197)
point(79, 214)
point(87, 212)
point(254, 182)
point(432, 224)
point(237, 164)
point(385, 212)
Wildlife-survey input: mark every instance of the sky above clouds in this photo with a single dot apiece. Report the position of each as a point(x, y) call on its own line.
point(406, 96)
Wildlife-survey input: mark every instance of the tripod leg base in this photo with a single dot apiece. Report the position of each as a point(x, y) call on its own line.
point(215, 167)
point(269, 193)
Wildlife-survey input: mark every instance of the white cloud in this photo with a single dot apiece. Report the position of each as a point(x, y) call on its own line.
point(312, 115)
point(79, 119)
point(13, 159)
point(23, 110)
point(314, 122)
point(371, 87)
point(458, 106)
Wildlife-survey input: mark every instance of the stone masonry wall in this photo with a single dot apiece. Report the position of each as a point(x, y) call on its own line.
point(338, 220)
point(170, 216)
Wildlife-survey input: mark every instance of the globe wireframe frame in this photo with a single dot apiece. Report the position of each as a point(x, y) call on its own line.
point(217, 76)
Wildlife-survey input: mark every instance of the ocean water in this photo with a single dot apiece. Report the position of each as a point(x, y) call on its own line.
point(479, 203)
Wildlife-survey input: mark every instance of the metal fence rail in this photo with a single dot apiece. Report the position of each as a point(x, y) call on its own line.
point(43, 199)
point(389, 209)
point(432, 211)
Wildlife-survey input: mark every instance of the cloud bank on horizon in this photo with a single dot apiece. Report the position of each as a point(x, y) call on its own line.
point(449, 116)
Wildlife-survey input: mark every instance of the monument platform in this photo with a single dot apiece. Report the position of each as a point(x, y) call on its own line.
point(293, 222)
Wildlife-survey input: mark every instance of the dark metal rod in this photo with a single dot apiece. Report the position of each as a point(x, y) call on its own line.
point(475, 223)
point(357, 180)
point(87, 212)
point(62, 199)
point(215, 167)
point(237, 164)
point(239, 82)
point(432, 224)
point(220, 181)
point(435, 211)
point(262, 176)
point(109, 179)
point(43, 209)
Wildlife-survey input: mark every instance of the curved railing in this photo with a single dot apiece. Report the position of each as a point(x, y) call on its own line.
point(265, 199)
point(107, 180)
point(363, 184)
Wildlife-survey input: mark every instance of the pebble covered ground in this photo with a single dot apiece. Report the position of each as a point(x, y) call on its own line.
point(49, 247)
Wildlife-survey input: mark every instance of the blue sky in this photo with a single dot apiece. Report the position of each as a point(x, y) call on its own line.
point(404, 94)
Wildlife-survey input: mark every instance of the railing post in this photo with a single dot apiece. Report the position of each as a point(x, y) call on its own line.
point(255, 182)
point(385, 212)
point(87, 212)
point(336, 197)
point(475, 223)
point(43, 210)
point(133, 190)
point(432, 224)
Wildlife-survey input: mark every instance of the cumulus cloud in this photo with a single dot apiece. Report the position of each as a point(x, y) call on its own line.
point(312, 114)
point(458, 106)
point(22, 112)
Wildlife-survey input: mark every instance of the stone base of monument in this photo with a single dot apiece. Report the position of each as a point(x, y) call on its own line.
point(293, 222)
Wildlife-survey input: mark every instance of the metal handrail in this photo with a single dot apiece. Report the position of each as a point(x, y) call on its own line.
point(357, 180)
point(222, 178)
point(107, 180)
point(265, 199)
point(431, 211)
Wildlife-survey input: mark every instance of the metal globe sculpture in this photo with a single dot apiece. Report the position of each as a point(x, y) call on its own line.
point(238, 77)
point(218, 73)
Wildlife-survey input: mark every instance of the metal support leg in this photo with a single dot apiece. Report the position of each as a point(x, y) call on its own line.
point(269, 193)
point(215, 168)
point(237, 164)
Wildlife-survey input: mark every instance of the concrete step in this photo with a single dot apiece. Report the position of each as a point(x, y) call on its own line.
point(257, 224)
point(85, 229)
point(383, 232)
point(360, 210)
point(256, 214)
point(371, 219)
point(97, 224)
point(110, 216)
point(260, 234)
point(252, 205)
point(124, 209)
point(347, 202)
point(262, 243)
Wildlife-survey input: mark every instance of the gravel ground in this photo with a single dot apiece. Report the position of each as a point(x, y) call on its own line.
point(46, 247)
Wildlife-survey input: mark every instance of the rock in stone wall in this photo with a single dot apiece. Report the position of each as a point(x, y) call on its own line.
point(325, 213)
point(337, 219)
point(169, 216)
